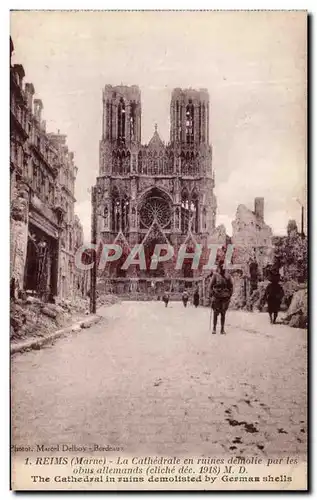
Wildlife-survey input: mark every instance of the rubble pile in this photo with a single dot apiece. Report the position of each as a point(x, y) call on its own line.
point(77, 305)
point(297, 313)
point(238, 296)
point(290, 287)
point(107, 299)
point(256, 300)
point(34, 318)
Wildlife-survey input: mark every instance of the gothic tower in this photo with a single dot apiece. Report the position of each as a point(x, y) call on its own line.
point(189, 137)
point(121, 128)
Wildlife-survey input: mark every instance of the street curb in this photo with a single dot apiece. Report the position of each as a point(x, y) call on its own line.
point(37, 343)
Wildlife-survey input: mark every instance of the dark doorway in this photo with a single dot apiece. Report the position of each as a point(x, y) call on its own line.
point(41, 268)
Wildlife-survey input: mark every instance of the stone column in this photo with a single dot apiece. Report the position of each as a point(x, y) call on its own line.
point(127, 122)
point(203, 123)
point(196, 123)
point(133, 218)
point(172, 130)
point(183, 118)
point(177, 218)
point(106, 216)
point(114, 121)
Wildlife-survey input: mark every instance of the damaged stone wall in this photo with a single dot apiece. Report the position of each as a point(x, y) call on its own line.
point(19, 235)
point(252, 238)
point(42, 176)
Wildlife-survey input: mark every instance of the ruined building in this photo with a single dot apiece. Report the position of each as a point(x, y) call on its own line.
point(252, 240)
point(42, 175)
point(155, 193)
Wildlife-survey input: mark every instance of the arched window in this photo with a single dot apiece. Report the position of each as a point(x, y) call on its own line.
point(115, 210)
point(171, 163)
point(190, 123)
point(177, 218)
point(184, 211)
point(178, 122)
point(140, 170)
point(133, 217)
point(204, 219)
point(150, 170)
point(192, 167)
point(126, 163)
point(162, 169)
point(182, 162)
point(115, 162)
point(203, 123)
point(125, 205)
point(155, 163)
point(121, 162)
point(121, 122)
point(132, 120)
point(106, 217)
point(194, 210)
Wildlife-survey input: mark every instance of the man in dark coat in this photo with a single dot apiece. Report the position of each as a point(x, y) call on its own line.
point(274, 294)
point(196, 297)
point(221, 288)
point(185, 298)
point(166, 298)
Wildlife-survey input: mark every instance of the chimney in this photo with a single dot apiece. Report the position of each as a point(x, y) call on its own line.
point(29, 91)
point(38, 106)
point(259, 208)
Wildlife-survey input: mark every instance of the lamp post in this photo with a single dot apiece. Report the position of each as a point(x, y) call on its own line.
point(93, 271)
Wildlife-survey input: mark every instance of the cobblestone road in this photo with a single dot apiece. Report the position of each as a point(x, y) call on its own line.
point(155, 380)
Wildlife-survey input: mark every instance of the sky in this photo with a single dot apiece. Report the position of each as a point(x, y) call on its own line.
point(252, 63)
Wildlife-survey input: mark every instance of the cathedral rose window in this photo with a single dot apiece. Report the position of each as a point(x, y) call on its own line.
point(155, 208)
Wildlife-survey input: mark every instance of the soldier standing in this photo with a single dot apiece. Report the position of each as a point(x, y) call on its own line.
point(221, 288)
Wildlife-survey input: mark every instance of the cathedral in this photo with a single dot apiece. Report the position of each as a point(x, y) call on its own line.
point(156, 192)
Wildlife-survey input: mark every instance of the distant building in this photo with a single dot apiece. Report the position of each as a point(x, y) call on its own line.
point(65, 197)
point(81, 277)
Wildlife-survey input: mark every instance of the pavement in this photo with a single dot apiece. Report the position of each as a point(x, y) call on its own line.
point(38, 342)
point(155, 380)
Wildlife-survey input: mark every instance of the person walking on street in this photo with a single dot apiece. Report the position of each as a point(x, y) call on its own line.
point(166, 298)
point(196, 297)
point(185, 298)
point(274, 294)
point(221, 288)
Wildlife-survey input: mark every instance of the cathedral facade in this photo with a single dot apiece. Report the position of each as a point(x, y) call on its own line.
point(156, 192)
